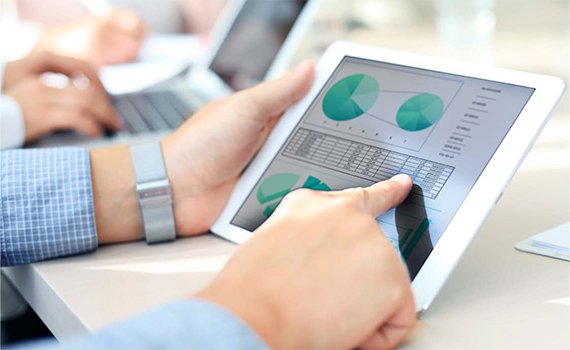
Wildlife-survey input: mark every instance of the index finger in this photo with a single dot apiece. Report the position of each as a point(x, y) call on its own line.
point(383, 196)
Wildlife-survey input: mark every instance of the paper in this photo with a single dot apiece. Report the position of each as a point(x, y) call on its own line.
point(180, 47)
point(133, 77)
point(554, 243)
point(555, 238)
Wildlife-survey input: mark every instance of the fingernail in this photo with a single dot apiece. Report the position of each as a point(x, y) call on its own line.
point(303, 66)
point(401, 178)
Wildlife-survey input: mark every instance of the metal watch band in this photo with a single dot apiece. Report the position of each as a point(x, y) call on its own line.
point(153, 190)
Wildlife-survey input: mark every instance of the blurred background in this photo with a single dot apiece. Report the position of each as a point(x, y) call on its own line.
point(526, 35)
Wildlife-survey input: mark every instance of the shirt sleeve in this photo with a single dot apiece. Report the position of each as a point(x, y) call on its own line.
point(191, 324)
point(2, 69)
point(12, 127)
point(46, 204)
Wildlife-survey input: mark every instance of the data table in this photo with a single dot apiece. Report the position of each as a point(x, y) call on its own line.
point(365, 161)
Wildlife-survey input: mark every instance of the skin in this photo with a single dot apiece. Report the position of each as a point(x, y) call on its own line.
point(319, 274)
point(46, 109)
point(114, 38)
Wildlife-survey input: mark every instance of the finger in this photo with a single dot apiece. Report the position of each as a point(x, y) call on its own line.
point(103, 111)
point(90, 103)
point(383, 196)
point(272, 98)
point(394, 331)
point(120, 48)
point(70, 119)
point(126, 22)
point(49, 62)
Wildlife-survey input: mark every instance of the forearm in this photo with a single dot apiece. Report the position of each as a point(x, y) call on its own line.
point(64, 201)
point(190, 324)
point(117, 213)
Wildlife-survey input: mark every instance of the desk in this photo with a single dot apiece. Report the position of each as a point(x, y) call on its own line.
point(496, 298)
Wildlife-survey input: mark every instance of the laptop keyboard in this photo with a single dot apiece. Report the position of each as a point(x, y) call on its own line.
point(150, 111)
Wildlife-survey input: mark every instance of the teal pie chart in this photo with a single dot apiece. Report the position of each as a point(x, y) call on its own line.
point(275, 187)
point(350, 97)
point(420, 112)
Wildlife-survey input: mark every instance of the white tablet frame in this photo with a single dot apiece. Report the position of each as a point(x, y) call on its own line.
point(482, 197)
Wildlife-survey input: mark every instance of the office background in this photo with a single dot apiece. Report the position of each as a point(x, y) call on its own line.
point(527, 35)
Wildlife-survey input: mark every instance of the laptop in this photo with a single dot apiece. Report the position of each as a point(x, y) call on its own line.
point(253, 40)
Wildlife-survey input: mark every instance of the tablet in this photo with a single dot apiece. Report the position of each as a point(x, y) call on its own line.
point(460, 131)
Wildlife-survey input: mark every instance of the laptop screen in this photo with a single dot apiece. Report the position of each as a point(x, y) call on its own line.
point(254, 40)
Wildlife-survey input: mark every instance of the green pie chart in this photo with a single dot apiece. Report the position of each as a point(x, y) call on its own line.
point(275, 187)
point(350, 97)
point(420, 112)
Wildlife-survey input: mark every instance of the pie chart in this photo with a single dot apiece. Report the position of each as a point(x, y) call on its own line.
point(275, 187)
point(350, 97)
point(420, 112)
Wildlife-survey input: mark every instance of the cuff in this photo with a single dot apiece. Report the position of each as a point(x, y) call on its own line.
point(46, 204)
point(12, 128)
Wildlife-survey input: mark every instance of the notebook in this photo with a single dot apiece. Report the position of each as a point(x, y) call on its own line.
point(554, 243)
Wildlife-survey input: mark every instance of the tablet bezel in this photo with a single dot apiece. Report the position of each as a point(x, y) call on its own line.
point(486, 190)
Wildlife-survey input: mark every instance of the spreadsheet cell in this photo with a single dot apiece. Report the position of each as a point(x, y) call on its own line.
point(368, 162)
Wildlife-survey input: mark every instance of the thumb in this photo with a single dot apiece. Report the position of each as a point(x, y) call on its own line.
point(272, 98)
point(383, 196)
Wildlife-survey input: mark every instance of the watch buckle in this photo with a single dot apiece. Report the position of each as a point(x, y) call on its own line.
point(154, 194)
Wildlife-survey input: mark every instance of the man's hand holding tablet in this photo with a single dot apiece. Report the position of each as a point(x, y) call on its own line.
point(315, 241)
point(205, 166)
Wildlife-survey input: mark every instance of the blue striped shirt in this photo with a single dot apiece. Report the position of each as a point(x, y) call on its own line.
point(46, 211)
point(46, 204)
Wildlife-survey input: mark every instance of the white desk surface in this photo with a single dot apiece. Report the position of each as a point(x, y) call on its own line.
point(496, 298)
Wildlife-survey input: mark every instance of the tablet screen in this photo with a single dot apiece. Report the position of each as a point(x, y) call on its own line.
point(373, 120)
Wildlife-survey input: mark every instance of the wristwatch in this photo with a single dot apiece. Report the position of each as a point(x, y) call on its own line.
point(154, 193)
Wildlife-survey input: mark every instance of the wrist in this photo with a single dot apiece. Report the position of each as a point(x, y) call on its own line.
point(117, 213)
point(258, 310)
point(191, 211)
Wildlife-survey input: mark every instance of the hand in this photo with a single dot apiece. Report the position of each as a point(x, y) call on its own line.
point(111, 39)
point(205, 157)
point(37, 63)
point(320, 274)
point(203, 160)
point(46, 109)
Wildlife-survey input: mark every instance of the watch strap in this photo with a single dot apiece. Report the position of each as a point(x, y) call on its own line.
point(154, 193)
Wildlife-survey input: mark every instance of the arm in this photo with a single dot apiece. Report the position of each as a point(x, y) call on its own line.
point(286, 288)
point(38, 191)
point(46, 204)
point(287, 283)
point(12, 132)
point(190, 324)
